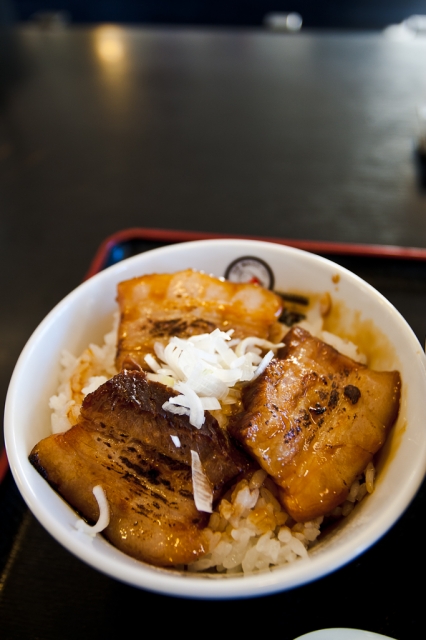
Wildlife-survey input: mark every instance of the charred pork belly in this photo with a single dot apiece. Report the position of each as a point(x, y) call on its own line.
point(123, 443)
point(313, 420)
point(156, 307)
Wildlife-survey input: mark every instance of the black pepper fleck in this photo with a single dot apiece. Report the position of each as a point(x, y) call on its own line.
point(352, 393)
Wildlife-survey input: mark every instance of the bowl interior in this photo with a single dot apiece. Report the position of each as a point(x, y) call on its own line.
point(359, 313)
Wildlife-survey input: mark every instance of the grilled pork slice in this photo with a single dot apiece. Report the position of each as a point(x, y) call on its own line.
point(157, 307)
point(123, 443)
point(314, 420)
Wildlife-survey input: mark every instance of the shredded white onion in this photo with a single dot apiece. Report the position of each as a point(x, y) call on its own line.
point(94, 383)
point(203, 495)
point(104, 515)
point(176, 441)
point(152, 362)
point(252, 341)
point(205, 369)
point(264, 363)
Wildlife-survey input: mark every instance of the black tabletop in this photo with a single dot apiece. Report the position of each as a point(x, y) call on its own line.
point(303, 136)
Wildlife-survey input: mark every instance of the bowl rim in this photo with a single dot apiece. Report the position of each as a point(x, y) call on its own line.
point(199, 586)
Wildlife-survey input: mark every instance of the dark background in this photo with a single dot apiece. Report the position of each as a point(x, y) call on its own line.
point(225, 127)
point(341, 14)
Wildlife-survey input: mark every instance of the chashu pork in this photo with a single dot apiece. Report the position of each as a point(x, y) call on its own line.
point(313, 420)
point(156, 307)
point(123, 443)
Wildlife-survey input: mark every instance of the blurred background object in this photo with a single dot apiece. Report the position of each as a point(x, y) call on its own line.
point(51, 19)
point(283, 21)
point(412, 27)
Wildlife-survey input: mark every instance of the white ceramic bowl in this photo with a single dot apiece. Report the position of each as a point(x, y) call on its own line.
point(85, 316)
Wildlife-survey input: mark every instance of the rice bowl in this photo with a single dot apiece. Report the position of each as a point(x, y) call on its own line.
point(86, 315)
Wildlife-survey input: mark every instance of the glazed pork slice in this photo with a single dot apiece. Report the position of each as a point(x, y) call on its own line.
point(313, 420)
point(156, 307)
point(123, 443)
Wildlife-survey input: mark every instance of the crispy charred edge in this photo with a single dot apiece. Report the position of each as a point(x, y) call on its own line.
point(34, 459)
point(333, 387)
point(161, 329)
point(130, 389)
point(156, 329)
point(297, 335)
point(178, 327)
point(145, 473)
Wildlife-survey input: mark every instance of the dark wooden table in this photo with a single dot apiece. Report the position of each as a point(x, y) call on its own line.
point(310, 136)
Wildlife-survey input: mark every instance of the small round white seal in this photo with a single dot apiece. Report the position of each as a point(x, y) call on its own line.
point(250, 269)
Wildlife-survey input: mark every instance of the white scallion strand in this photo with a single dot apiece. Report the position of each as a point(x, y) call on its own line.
point(263, 364)
point(176, 441)
point(203, 496)
point(104, 515)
